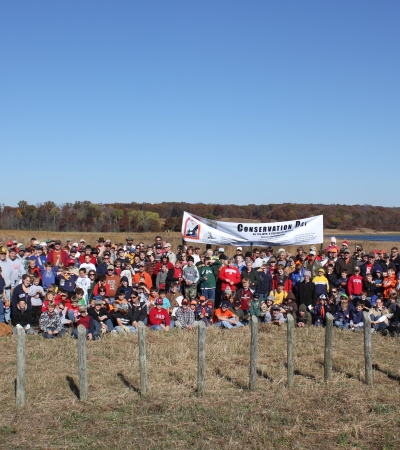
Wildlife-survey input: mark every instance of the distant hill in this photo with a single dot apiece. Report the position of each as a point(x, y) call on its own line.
point(141, 217)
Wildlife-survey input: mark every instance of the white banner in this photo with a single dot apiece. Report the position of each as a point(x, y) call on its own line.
point(292, 232)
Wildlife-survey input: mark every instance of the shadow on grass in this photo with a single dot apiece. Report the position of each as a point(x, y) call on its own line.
point(339, 370)
point(127, 383)
point(261, 373)
point(73, 386)
point(388, 374)
point(231, 380)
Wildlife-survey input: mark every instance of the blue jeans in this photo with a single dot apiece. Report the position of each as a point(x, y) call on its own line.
point(1, 311)
point(75, 333)
point(209, 294)
point(227, 324)
point(378, 326)
point(132, 329)
point(159, 327)
point(108, 322)
point(339, 323)
point(52, 336)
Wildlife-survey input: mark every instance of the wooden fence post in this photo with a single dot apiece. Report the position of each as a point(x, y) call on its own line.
point(20, 382)
point(201, 365)
point(253, 353)
point(328, 347)
point(82, 364)
point(367, 348)
point(290, 350)
point(142, 358)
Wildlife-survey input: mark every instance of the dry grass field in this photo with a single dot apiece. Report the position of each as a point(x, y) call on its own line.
point(174, 238)
point(345, 413)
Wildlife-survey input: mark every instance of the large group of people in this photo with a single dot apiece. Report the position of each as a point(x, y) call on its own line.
point(52, 287)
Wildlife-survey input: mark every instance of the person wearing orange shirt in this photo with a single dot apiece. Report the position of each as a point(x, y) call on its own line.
point(143, 274)
point(224, 318)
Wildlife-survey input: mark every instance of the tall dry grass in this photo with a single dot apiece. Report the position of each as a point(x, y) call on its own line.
point(345, 413)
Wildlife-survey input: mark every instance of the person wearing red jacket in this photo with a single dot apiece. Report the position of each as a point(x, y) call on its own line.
point(355, 284)
point(158, 317)
point(164, 260)
point(229, 276)
point(58, 256)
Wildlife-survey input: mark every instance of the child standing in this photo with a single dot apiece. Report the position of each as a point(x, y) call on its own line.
point(84, 283)
point(36, 293)
point(48, 273)
point(341, 283)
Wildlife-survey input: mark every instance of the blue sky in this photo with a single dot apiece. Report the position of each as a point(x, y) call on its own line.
point(200, 101)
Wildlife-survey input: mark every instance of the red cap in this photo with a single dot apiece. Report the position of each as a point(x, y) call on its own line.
point(9, 243)
point(159, 301)
point(71, 261)
point(185, 301)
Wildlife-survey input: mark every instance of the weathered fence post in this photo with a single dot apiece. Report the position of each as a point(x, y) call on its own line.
point(367, 349)
point(253, 353)
point(82, 364)
point(290, 350)
point(328, 347)
point(142, 358)
point(20, 382)
point(201, 365)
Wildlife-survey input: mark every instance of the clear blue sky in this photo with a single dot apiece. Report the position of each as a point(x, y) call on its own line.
point(200, 101)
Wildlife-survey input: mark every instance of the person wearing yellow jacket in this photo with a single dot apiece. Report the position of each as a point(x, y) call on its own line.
point(321, 283)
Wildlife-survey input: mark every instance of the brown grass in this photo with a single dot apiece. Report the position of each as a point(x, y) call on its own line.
point(345, 413)
point(174, 238)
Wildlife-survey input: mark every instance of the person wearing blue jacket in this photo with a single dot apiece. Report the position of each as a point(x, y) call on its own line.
point(357, 318)
point(48, 274)
point(342, 316)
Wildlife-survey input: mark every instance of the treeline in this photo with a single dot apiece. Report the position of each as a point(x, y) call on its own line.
point(137, 217)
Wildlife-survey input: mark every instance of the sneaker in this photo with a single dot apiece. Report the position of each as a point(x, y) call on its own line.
point(373, 331)
point(385, 332)
point(114, 332)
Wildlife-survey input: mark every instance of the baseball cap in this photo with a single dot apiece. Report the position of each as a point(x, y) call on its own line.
point(225, 305)
point(159, 301)
point(313, 252)
point(110, 267)
point(221, 250)
point(3, 250)
point(71, 261)
point(185, 301)
point(239, 248)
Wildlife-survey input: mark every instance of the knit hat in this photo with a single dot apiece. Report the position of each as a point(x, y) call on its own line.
point(333, 239)
point(228, 290)
point(345, 243)
point(307, 273)
point(302, 307)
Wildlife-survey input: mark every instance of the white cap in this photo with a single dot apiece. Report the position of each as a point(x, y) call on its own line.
point(221, 250)
point(239, 248)
point(281, 250)
point(333, 239)
point(43, 244)
point(75, 244)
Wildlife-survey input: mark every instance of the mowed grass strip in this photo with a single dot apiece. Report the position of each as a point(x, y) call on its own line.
point(344, 413)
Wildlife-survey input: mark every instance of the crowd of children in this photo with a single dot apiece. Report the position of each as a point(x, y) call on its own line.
point(109, 288)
